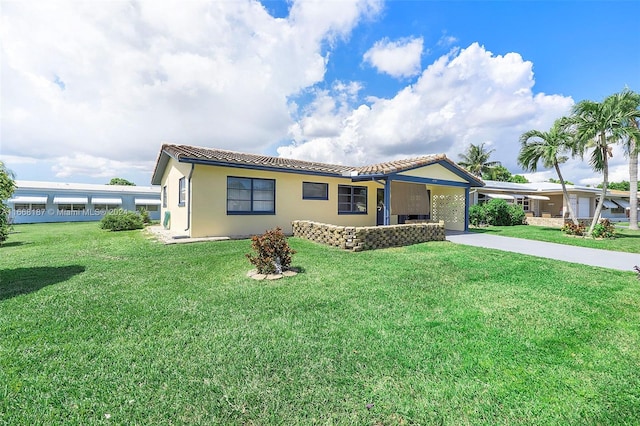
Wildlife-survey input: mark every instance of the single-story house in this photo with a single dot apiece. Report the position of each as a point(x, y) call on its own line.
point(213, 192)
point(546, 199)
point(38, 202)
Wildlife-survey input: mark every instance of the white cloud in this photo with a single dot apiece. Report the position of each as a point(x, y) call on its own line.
point(397, 58)
point(467, 96)
point(97, 167)
point(109, 84)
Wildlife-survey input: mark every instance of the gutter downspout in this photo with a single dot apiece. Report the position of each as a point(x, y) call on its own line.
point(189, 197)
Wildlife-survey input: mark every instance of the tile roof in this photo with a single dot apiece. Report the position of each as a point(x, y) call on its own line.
point(186, 152)
point(194, 154)
point(183, 152)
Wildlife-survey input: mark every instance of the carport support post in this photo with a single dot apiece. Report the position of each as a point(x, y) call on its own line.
point(466, 209)
point(387, 202)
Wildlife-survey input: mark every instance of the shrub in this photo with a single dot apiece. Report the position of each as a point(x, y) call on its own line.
point(516, 213)
point(571, 228)
point(497, 212)
point(5, 224)
point(121, 220)
point(604, 229)
point(144, 214)
point(273, 254)
point(477, 215)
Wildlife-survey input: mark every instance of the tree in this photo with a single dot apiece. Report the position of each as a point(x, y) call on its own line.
point(499, 173)
point(476, 160)
point(7, 186)
point(621, 186)
point(518, 179)
point(120, 181)
point(550, 149)
point(552, 180)
point(597, 126)
point(629, 104)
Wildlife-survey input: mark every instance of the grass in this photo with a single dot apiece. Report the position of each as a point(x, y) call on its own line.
point(111, 328)
point(625, 241)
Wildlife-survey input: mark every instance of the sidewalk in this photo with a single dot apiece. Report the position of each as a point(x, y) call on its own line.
point(586, 256)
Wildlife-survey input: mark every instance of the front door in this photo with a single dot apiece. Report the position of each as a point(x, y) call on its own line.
point(584, 210)
point(380, 207)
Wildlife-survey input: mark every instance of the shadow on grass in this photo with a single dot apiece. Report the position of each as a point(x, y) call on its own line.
point(14, 282)
point(13, 244)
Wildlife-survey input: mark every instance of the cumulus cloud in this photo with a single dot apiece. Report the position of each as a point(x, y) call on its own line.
point(467, 96)
point(109, 84)
point(397, 58)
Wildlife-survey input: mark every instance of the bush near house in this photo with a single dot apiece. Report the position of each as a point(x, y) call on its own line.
point(497, 213)
point(273, 252)
point(571, 228)
point(122, 220)
point(144, 214)
point(604, 229)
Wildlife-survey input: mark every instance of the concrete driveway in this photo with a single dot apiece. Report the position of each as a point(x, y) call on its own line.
point(573, 254)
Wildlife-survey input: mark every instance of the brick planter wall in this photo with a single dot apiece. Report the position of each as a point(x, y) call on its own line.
point(368, 237)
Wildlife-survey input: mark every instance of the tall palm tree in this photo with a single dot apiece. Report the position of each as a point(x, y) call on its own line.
point(597, 126)
point(476, 160)
point(548, 148)
point(629, 102)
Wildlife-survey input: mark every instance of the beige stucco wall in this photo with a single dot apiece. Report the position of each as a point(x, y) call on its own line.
point(209, 207)
point(433, 171)
point(172, 175)
point(209, 192)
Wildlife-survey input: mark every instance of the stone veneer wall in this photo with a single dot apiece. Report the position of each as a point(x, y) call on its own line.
point(551, 222)
point(554, 222)
point(368, 237)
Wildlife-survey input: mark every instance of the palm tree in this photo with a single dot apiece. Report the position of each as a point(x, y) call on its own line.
point(597, 126)
point(476, 160)
point(548, 148)
point(629, 102)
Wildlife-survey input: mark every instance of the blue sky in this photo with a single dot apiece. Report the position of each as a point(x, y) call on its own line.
point(91, 90)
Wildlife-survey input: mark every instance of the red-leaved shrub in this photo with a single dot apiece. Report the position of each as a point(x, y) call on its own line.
point(273, 254)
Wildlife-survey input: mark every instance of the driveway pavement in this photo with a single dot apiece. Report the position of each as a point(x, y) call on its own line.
point(573, 254)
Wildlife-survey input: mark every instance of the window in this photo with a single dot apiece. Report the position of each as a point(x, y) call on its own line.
point(352, 199)
point(103, 208)
point(71, 207)
point(315, 191)
point(251, 196)
point(29, 206)
point(182, 191)
point(148, 207)
point(524, 202)
point(164, 196)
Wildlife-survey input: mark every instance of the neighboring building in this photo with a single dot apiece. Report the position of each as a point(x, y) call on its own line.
point(546, 200)
point(211, 192)
point(35, 202)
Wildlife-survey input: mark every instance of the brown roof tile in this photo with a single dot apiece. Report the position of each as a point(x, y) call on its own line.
point(187, 152)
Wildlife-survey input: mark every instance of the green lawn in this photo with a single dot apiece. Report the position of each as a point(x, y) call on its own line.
point(112, 328)
point(626, 240)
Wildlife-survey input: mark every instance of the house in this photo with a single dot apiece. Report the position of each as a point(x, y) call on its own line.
point(546, 200)
point(37, 202)
point(212, 192)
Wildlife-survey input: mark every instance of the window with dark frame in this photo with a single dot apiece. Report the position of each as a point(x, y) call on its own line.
point(315, 191)
point(164, 196)
point(182, 191)
point(251, 196)
point(352, 199)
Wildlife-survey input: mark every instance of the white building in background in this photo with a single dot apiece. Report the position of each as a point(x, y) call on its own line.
point(546, 200)
point(39, 202)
